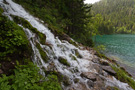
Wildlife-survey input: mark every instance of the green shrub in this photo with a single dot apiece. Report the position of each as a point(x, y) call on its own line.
point(13, 41)
point(26, 77)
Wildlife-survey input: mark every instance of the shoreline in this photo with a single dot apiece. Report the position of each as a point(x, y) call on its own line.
point(129, 69)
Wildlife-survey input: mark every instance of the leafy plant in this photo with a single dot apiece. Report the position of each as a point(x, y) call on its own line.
point(27, 78)
point(13, 41)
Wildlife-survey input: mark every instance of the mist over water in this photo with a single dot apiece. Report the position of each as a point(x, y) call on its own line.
point(120, 47)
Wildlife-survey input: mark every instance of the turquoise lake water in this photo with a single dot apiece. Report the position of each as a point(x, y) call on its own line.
point(120, 47)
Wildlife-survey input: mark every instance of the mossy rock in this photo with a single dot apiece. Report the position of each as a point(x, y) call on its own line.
point(112, 88)
point(26, 24)
point(78, 54)
point(66, 81)
point(63, 61)
point(76, 80)
point(73, 57)
point(42, 53)
point(73, 43)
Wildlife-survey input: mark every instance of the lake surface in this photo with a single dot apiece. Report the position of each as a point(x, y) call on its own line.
point(120, 47)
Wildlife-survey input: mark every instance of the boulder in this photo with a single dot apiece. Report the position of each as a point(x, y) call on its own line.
point(109, 70)
point(89, 75)
point(105, 63)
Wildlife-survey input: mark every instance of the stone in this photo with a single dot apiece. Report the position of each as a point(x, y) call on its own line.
point(104, 63)
point(98, 68)
point(89, 75)
point(90, 84)
point(51, 67)
point(81, 86)
point(109, 70)
point(96, 60)
point(99, 85)
point(76, 80)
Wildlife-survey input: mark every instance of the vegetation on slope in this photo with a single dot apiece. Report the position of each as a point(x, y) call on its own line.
point(13, 41)
point(17, 71)
point(26, 77)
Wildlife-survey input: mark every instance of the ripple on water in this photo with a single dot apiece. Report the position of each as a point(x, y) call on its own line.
point(120, 45)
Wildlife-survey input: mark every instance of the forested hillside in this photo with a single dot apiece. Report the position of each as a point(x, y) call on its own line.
point(115, 16)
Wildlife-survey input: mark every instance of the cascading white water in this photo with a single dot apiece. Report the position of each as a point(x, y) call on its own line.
point(58, 49)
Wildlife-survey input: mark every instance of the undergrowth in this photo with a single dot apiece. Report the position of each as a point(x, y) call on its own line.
point(26, 77)
point(13, 41)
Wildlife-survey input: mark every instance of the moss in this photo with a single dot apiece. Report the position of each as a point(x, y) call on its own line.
point(42, 53)
point(123, 76)
point(63, 61)
point(26, 24)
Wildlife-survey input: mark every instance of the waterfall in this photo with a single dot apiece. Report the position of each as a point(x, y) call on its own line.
point(59, 48)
